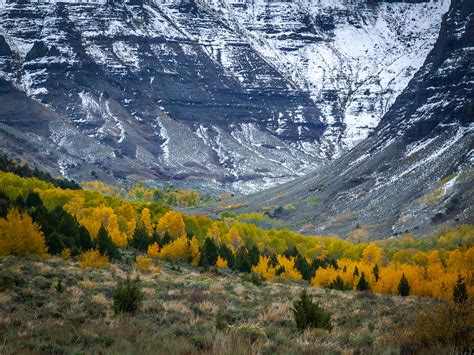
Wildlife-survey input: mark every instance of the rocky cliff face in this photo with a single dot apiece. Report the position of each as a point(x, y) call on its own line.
point(241, 95)
point(415, 171)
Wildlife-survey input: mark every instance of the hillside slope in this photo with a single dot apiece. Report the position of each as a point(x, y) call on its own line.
point(416, 170)
point(232, 97)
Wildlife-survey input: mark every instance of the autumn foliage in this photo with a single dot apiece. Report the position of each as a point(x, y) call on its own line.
point(20, 236)
point(93, 259)
point(38, 216)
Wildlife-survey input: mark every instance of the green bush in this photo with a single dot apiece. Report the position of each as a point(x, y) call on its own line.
point(128, 295)
point(309, 315)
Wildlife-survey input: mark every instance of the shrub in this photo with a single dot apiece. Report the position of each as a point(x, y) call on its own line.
point(444, 325)
point(309, 315)
point(128, 295)
point(222, 263)
point(252, 332)
point(93, 259)
point(254, 278)
point(143, 263)
point(153, 250)
point(220, 322)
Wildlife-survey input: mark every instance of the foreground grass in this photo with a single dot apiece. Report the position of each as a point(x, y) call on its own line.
point(184, 311)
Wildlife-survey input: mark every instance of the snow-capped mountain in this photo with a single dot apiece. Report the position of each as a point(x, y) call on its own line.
point(415, 171)
point(241, 94)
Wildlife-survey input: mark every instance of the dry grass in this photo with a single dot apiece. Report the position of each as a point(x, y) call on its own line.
point(177, 307)
point(180, 312)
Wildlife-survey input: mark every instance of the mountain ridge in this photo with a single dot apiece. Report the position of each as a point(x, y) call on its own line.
point(191, 92)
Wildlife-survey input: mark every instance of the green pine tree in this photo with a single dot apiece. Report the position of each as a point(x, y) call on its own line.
point(362, 285)
point(106, 245)
point(403, 286)
point(460, 292)
point(310, 315)
point(375, 271)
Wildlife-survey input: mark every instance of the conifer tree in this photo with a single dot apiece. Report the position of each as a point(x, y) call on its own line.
point(308, 314)
point(226, 254)
point(403, 286)
point(254, 255)
point(209, 253)
point(106, 245)
point(363, 285)
point(460, 292)
point(140, 239)
point(33, 200)
point(242, 262)
point(375, 271)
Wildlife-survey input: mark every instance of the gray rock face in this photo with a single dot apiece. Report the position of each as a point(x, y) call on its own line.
point(217, 94)
point(415, 171)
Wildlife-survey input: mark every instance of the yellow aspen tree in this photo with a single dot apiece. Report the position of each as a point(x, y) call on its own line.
point(214, 233)
point(173, 224)
point(372, 254)
point(153, 250)
point(145, 221)
point(324, 277)
point(19, 235)
point(194, 251)
point(222, 263)
point(93, 259)
point(126, 219)
point(264, 269)
point(289, 266)
point(232, 238)
point(178, 250)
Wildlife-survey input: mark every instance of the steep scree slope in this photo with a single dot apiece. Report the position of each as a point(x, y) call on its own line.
point(415, 171)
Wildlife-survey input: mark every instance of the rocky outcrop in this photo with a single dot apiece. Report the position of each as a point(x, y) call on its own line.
point(211, 93)
point(415, 171)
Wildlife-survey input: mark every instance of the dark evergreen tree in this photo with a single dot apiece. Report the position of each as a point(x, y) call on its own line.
point(242, 262)
point(128, 295)
point(140, 239)
point(106, 245)
point(208, 253)
point(165, 240)
point(291, 252)
point(33, 200)
point(375, 271)
point(20, 203)
point(362, 285)
point(338, 284)
point(302, 265)
point(403, 286)
point(85, 240)
point(280, 270)
point(55, 243)
point(356, 272)
point(460, 295)
point(4, 204)
point(225, 253)
point(309, 315)
point(273, 260)
point(254, 255)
